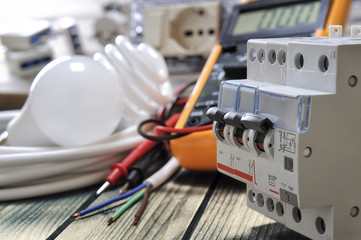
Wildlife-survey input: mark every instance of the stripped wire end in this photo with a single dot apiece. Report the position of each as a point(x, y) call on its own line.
point(136, 220)
point(124, 188)
point(75, 215)
point(110, 221)
point(142, 207)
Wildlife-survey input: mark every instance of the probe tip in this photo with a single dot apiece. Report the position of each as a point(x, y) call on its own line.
point(75, 215)
point(103, 188)
point(124, 188)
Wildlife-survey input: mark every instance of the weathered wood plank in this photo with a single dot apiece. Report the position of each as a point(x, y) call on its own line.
point(170, 210)
point(228, 217)
point(37, 218)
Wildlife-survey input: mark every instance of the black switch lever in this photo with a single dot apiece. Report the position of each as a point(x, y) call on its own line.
point(256, 122)
point(234, 119)
point(216, 114)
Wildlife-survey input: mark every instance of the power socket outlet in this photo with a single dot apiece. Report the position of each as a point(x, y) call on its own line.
point(183, 30)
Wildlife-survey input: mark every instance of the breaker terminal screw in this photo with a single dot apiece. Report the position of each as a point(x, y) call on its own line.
point(352, 81)
point(307, 152)
point(354, 211)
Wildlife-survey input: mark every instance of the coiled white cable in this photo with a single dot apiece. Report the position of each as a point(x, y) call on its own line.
point(29, 172)
point(35, 171)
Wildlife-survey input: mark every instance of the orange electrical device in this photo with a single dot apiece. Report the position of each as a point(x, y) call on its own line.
point(260, 19)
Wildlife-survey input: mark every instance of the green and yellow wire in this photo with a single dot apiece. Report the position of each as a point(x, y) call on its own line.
point(125, 207)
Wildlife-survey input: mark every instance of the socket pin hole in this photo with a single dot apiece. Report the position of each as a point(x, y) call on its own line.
point(323, 63)
point(270, 205)
point(201, 12)
point(211, 31)
point(251, 196)
point(260, 55)
point(188, 33)
point(200, 32)
point(320, 225)
point(272, 56)
point(194, 121)
point(252, 54)
point(281, 57)
point(296, 214)
point(260, 200)
point(299, 61)
point(279, 209)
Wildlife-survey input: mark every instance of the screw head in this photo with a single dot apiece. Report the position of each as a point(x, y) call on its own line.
point(352, 81)
point(354, 211)
point(307, 152)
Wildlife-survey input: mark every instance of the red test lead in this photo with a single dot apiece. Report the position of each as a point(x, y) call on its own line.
point(121, 169)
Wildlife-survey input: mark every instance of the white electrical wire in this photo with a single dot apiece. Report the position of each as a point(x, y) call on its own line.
point(164, 173)
point(35, 171)
point(29, 172)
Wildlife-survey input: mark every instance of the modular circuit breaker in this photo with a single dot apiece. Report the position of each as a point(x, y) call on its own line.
point(291, 131)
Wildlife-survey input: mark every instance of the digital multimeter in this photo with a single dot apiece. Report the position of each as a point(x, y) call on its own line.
point(259, 19)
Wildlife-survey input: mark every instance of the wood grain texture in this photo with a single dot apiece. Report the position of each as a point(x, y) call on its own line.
point(169, 212)
point(37, 218)
point(228, 217)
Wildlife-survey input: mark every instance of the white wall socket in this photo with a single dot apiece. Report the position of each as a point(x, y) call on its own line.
point(183, 30)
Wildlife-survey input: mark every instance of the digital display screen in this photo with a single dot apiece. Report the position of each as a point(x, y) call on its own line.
point(276, 18)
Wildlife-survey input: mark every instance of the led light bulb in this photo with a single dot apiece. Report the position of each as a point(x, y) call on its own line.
point(72, 101)
point(144, 57)
point(159, 70)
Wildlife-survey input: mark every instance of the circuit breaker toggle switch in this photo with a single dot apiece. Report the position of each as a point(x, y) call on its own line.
point(256, 122)
point(234, 119)
point(216, 114)
point(270, 119)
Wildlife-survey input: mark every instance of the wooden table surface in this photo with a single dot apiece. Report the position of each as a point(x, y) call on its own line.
point(192, 205)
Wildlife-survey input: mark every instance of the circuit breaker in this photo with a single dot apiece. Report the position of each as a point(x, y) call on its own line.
point(291, 131)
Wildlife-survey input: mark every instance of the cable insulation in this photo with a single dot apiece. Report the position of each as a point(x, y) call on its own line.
point(127, 205)
point(120, 197)
point(144, 204)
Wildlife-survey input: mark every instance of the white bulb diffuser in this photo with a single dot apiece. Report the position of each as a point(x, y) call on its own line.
point(73, 101)
point(144, 57)
point(152, 75)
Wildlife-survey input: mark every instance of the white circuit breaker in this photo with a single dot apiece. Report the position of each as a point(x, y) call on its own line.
point(291, 131)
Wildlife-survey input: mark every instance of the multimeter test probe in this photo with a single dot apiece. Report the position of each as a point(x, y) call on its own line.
point(228, 61)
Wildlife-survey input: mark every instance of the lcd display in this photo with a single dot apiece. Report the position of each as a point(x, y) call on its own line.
point(276, 18)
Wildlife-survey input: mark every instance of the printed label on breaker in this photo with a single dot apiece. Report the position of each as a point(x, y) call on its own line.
point(287, 142)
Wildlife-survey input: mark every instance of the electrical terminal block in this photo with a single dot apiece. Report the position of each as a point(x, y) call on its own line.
point(29, 62)
point(23, 37)
point(182, 30)
point(356, 31)
point(69, 29)
point(290, 132)
point(335, 31)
